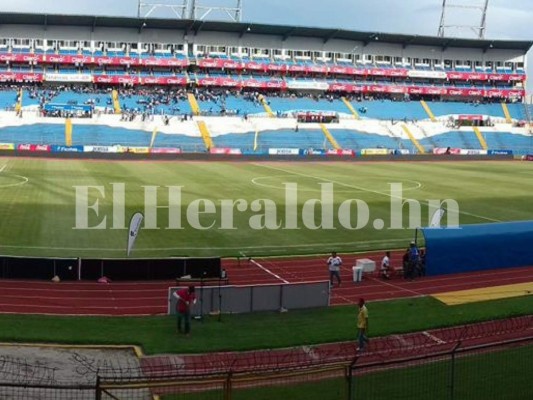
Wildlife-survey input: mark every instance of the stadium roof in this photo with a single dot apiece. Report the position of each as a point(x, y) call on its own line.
point(285, 31)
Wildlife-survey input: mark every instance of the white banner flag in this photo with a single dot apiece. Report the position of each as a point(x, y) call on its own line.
point(135, 226)
point(437, 216)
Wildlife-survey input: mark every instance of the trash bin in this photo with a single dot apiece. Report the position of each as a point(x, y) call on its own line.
point(357, 274)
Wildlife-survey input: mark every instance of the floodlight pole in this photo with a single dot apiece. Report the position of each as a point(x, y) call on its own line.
point(478, 30)
point(146, 7)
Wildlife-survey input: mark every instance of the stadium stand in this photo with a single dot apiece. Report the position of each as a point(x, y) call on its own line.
point(356, 100)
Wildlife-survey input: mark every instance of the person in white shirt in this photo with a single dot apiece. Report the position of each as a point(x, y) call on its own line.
point(334, 265)
point(385, 266)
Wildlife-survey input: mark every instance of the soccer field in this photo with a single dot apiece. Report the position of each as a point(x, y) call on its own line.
point(235, 208)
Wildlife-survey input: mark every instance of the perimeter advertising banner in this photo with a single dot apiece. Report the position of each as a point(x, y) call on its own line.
point(341, 152)
point(375, 152)
point(473, 152)
point(7, 146)
point(103, 149)
point(139, 150)
point(67, 149)
point(165, 150)
point(226, 151)
point(284, 152)
point(32, 148)
point(500, 152)
point(446, 150)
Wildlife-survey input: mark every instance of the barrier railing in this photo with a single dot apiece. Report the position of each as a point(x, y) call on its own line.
point(493, 356)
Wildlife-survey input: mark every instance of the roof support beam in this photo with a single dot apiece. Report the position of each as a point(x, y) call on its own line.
point(331, 35)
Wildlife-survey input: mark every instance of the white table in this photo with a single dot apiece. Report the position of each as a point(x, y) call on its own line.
point(367, 264)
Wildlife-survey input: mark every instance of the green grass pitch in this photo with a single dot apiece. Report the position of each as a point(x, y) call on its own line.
point(38, 204)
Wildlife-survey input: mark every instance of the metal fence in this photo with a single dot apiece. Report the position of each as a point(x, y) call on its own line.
point(479, 361)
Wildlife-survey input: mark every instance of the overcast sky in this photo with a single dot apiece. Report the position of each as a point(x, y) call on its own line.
point(506, 19)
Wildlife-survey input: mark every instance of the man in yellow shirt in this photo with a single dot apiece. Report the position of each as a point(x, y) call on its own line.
point(362, 325)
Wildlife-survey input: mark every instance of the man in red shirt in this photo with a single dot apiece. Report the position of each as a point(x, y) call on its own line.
point(185, 298)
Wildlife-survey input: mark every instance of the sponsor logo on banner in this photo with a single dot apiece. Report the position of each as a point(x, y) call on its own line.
point(501, 153)
point(103, 79)
point(402, 152)
point(284, 152)
point(34, 148)
point(494, 93)
point(375, 152)
point(252, 83)
point(225, 150)
point(7, 146)
point(165, 150)
point(68, 77)
point(254, 66)
point(104, 60)
point(101, 149)
point(57, 59)
point(396, 89)
point(528, 157)
point(473, 152)
point(308, 85)
point(427, 74)
point(455, 92)
point(445, 150)
point(340, 152)
point(276, 67)
point(139, 150)
point(470, 117)
point(276, 85)
point(313, 152)
point(67, 149)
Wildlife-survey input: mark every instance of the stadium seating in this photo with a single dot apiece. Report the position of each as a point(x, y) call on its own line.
point(54, 134)
point(8, 98)
point(454, 139)
point(139, 102)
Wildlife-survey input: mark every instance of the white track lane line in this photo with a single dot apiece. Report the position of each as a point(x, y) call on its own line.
point(433, 337)
point(269, 271)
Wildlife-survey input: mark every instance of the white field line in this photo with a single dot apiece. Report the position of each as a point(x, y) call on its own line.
point(268, 271)
point(274, 247)
point(2, 168)
point(364, 189)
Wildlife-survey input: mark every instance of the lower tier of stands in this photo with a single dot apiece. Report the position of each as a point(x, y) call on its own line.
point(100, 135)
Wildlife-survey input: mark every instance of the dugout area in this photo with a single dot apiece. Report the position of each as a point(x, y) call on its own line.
point(478, 247)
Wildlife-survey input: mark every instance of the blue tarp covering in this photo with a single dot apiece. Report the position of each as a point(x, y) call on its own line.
point(478, 247)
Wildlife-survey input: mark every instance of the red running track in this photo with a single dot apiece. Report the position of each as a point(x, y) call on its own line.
point(151, 298)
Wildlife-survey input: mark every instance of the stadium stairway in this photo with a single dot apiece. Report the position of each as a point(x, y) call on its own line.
point(507, 114)
point(206, 136)
point(330, 137)
point(116, 102)
point(481, 139)
point(411, 137)
point(350, 107)
point(195, 107)
point(428, 111)
point(267, 108)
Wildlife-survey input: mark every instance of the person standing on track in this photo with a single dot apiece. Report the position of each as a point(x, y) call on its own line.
point(334, 265)
point(362, 325)
point(185, 298)
point(385, 266)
